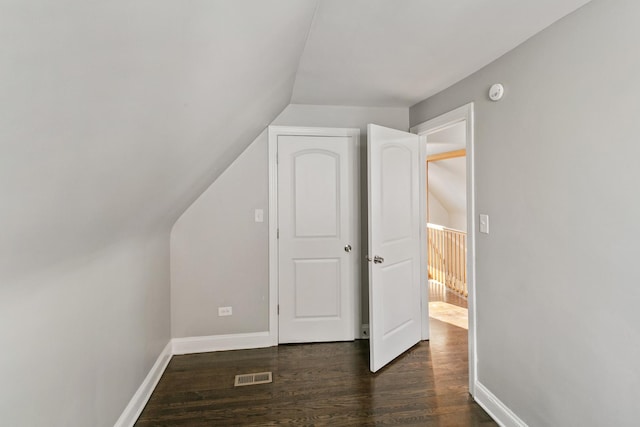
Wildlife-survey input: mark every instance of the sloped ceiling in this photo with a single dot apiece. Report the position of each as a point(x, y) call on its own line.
point(447, 182)
point(397, 53)
point(450, 138)
point(116, 115)
point(447, 178)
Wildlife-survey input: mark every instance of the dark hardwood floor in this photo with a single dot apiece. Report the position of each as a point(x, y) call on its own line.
point(326, 384)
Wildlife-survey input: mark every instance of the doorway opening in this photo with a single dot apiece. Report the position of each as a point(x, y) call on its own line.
point(447, 224)
point(450, 225)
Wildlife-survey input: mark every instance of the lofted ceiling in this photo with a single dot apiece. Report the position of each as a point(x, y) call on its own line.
point(116, 115)
point(447, 178)
point(447, 182)
point(450, 138)
point(397, 53)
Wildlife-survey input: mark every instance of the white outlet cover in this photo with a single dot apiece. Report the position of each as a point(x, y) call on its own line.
point(259, 215)
point(225, 311)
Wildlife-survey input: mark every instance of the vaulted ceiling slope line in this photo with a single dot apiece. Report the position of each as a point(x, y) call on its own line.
point(117, 115)
point(382, 53)
point(447, 182)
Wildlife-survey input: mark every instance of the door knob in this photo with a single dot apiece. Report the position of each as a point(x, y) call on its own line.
point(378, 259)
point(347, 248)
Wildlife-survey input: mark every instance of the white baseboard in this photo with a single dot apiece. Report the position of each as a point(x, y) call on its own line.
point(142, 395)
point(185, 346)
point(494, 407)
point(222, 342)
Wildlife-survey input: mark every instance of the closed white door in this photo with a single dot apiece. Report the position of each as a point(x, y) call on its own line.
point(316, 217)
point(394, 243)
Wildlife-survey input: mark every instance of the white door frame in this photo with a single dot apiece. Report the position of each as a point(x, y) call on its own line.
point(274, 132)
point(459, 114)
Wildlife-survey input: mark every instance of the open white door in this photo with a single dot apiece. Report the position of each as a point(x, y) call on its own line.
point(394, 243)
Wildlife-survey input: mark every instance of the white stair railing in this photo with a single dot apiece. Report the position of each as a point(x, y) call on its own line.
point(448, 257)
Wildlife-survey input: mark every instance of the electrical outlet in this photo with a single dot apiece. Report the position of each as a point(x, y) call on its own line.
point(365, 332)
point(225, 311)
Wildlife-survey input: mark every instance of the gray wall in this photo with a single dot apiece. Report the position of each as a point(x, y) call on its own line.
point(114, 117)
point(219, 255)
point(79, 339)
point(557, 278)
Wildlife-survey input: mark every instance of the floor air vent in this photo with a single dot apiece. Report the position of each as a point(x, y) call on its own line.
point(253, 379)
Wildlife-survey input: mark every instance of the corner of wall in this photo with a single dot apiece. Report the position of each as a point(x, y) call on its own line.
point(137, 403)
point(496, 408)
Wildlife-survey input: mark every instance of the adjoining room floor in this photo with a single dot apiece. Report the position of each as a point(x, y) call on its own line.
point(439, 293)
point(447, 306)
point(327, 384)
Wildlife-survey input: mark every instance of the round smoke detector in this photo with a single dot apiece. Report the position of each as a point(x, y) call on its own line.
point(496, 92)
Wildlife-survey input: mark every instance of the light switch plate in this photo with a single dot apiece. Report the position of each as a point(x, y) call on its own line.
point(259, 215)
point(484, 223)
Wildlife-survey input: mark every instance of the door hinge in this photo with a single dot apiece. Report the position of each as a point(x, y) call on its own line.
point(277, 233)
point(278, 309)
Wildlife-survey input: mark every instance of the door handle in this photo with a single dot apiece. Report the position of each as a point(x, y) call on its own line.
point(376, 259)
point(347, 248)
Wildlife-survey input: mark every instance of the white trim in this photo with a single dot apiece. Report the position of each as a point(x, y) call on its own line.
point(221, 342)
point(443, 121)
point(424, 272)
point(178, 346)
point(137, 403)
point(273, 241)
point(464, 113)
point(274, 131)
point(186, 346)
point(495, 408)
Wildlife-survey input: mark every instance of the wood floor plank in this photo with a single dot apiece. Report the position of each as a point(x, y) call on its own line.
point(324, 384)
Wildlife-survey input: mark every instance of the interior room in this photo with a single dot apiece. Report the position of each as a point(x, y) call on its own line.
point(140, 204)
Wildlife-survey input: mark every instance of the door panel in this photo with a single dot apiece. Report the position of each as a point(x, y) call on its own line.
point(317, 288)
point(394, 238)
point(315, 215)
point(395, 316)
point(316, 183)
point(396, 183)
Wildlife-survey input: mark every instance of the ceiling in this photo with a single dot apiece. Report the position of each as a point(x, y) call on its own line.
point(447, 182)
point(117, 115)
point(397, 53)
point(447, 178)
point(451, 138)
